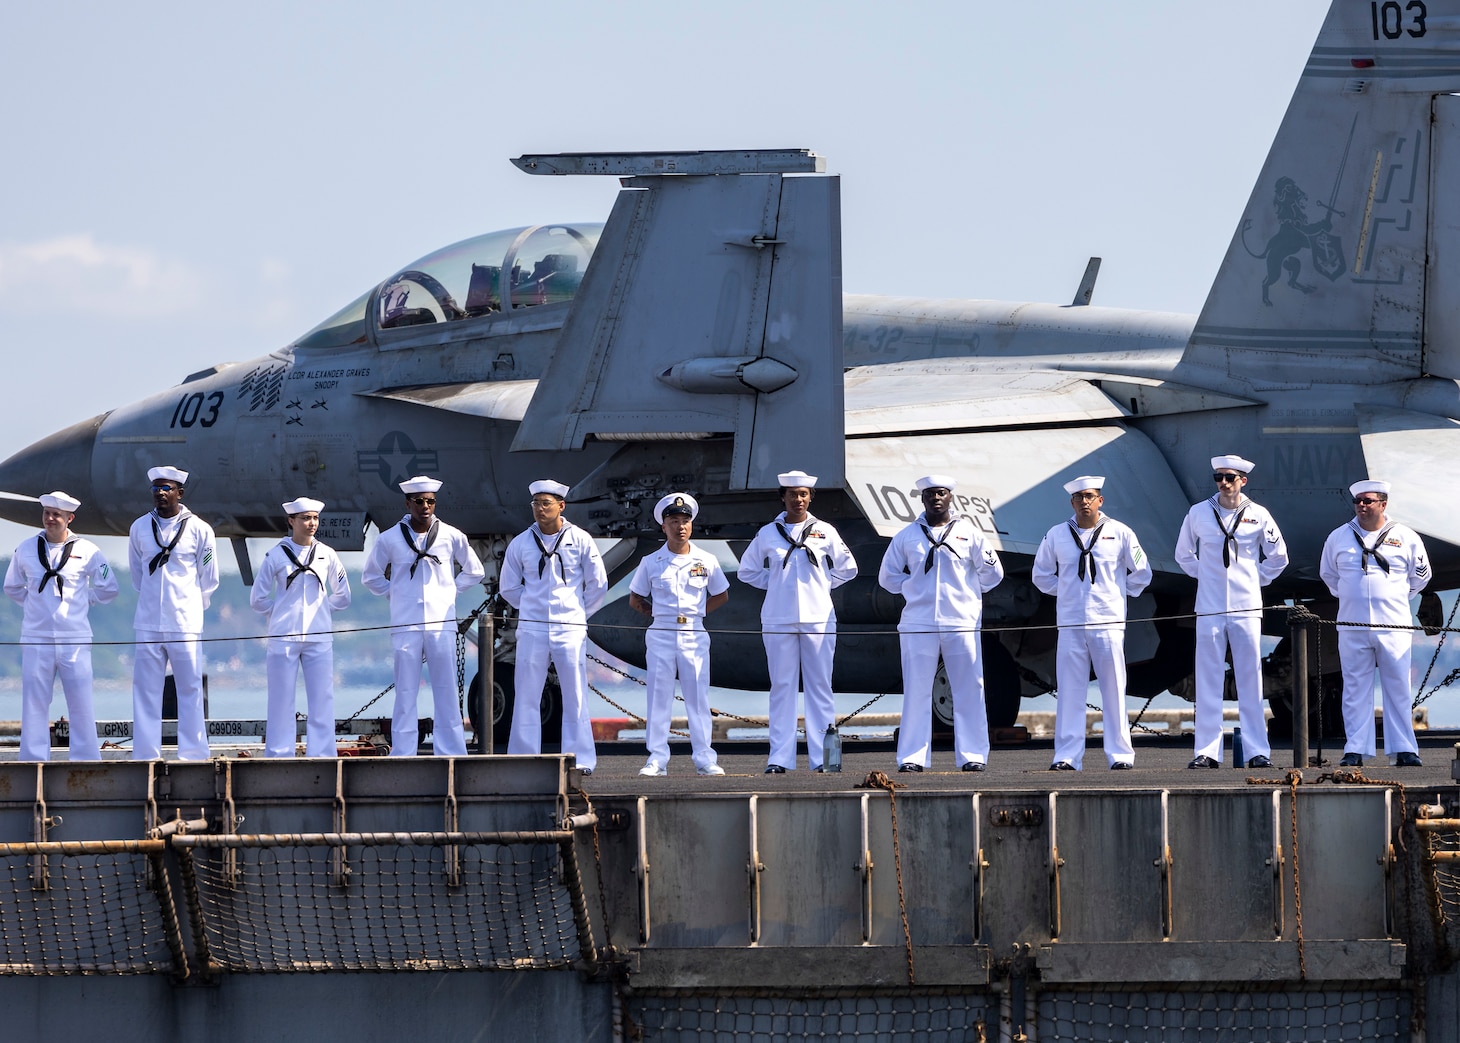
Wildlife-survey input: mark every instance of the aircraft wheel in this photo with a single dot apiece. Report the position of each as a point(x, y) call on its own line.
point(501, 706)
point(1001, 693)
point(942, 702)
point(1281, 725)
point(1000, 688)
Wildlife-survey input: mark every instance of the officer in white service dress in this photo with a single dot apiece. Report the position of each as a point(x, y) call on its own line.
point(421, 563)
point(174, 564)
point(797, 560)
point(299, 586)
point(1233, 549)
point(1374, 565)
point(1091, 564)
point(942, 567)
point(553, 575)
point(56, 578)
point(678, 585)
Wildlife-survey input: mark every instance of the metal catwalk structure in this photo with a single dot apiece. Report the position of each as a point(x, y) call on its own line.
point(493, 897)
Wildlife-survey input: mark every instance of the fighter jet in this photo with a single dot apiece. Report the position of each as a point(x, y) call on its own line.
point(699, 341)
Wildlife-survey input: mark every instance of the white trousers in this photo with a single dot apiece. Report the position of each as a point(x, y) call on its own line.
point(1213, 635)
point(40, 666)
point(1080, 649)
point(800, 654)
point(961, 658)
point(1361, 653)
point(155, 650)
point(282, 664)
point(687, 653)
point(566, 648)
point(448, 737)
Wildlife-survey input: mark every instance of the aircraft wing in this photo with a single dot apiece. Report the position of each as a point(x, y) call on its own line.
point(967, 394)
point(1414, 452)
point(1010, 481)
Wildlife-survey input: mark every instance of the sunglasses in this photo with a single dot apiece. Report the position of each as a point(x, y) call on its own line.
point(1367, 503)
point(1219, 477)
point(163, 488)
point(423, 501)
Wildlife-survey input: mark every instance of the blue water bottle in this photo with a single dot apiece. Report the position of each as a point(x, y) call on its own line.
point(1238, 760)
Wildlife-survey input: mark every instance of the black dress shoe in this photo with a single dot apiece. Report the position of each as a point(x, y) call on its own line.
point(909, 767)
point(1122, 766)
point(1408, 760)
point(1351, 760)
point(1259, 762)
point(973, 766)
point(774, 769)
point(1203, 762)
point(1061, 766)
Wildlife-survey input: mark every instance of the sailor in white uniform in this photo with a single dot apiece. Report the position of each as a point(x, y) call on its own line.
point(942, 566)
point(1233, 549)
point(797, 560)
point(56, 578)
point(678, 585)
point(1374, 565)
point(174, 563)
point(421, 563)
point(1091, 564)
point(298, 587)
point(553, 575)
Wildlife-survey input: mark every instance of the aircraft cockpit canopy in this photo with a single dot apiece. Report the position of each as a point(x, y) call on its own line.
point(492, 274)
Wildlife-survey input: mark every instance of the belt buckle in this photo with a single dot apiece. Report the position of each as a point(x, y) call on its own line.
point(681, 619)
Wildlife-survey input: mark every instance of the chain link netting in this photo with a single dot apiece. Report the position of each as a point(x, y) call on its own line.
point(319, 905)
point(1211, 1016)
point(94, 914)
point(901, 1018)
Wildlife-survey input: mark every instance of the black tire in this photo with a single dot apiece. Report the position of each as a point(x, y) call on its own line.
point(1001, 693)
point(504, 704)
point(1281, 725)
point(1000, 689)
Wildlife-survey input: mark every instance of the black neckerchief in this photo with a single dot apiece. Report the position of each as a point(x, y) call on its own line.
point(941, 541)
point(40, 549)
point(161, 557)
point(798, 544)
point(421, 552)
point(1229, 539)
point(300, 567)
point(1368, 552)
point(547, 555)
point(1087, 553)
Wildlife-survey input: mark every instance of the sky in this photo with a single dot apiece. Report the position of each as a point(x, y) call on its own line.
point(186, 184)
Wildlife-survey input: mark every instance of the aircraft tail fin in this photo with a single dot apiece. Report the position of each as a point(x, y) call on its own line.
point(711, 306)
point(1341, 250)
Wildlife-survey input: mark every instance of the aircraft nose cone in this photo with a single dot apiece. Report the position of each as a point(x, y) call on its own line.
point(59, 461)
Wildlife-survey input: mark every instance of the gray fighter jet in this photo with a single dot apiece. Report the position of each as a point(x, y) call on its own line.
point(699, 341)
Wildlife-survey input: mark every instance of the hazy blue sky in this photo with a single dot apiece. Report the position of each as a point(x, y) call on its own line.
point(192, 183)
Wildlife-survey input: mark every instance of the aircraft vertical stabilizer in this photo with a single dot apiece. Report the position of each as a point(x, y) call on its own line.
point(1328, 264)
point(712, 306)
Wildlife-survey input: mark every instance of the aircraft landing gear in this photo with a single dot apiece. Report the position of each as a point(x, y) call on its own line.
point(504, 702)
point(1000, 689)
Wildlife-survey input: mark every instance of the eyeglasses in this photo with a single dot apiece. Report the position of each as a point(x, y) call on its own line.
point(1220, 477)
point(423, 501)
point(1085, 496)
point(163, 488)
point(544, 503)
point(1360, 502)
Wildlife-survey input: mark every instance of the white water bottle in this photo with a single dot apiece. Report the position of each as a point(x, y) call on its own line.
point(831, 750)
